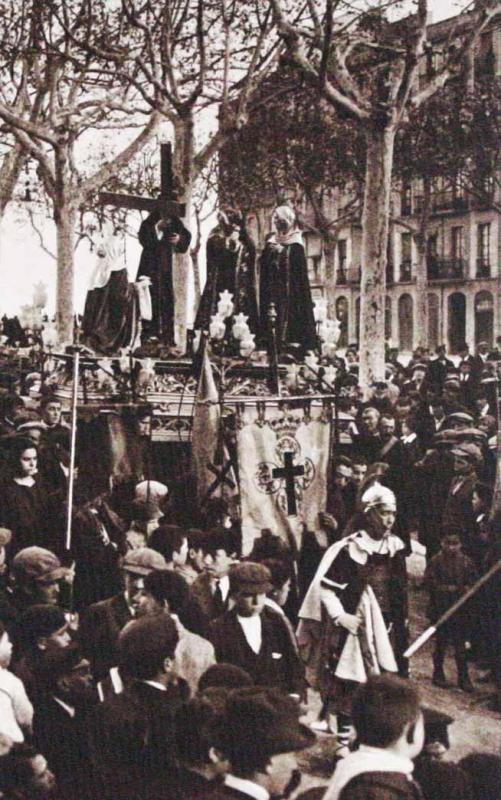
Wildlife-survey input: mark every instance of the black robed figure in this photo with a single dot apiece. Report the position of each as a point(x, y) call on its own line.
point(160, 234)
point(284, 282)
point(231, 266)
point(157, 236)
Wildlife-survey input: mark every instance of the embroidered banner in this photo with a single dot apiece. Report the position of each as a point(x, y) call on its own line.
point(283, 457)
point(213, 468)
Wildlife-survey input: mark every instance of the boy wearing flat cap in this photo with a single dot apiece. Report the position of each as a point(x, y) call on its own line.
point(253, 636)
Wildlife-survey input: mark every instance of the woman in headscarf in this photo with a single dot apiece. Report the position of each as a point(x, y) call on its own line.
point(284, 282)
point(231, 266)
point(352, 621)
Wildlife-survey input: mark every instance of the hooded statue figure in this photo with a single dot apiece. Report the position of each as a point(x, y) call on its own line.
point(284, 282)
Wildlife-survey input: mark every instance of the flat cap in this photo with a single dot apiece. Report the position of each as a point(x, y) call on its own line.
point(151, 490)
point(459, 416)
point(250, 577)
point(143, 561)
point(37, 564)
point(469, 451)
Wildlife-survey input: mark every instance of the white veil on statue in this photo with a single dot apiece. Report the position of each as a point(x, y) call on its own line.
point(110, 256)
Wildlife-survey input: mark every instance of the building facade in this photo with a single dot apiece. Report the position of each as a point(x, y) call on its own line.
point(463, 248)
point(463, 240)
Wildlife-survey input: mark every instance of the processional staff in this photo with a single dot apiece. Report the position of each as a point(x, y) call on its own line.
point(73, 439)
point(429, 632)
point(273, 351)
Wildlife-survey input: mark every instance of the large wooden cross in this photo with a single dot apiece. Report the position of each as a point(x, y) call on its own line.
point(164, 203)
point(290, 472)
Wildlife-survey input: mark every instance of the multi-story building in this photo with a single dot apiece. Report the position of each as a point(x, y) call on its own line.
point(463, 249)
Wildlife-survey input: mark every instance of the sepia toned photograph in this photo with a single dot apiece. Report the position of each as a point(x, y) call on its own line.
point(250, 379)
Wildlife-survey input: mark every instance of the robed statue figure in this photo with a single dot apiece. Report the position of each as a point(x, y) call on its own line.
point(113, 306)
point(231, 266)
point(159, 237)
point(284, 282)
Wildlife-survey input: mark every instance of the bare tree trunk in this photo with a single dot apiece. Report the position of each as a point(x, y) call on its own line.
point(184, 159)
point(421, 240)
point(10, 170)
point(65, 223)
point(329, 245)
point(195, 255)
point(375, 225)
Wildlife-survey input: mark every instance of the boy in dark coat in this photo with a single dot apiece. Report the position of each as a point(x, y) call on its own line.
point(390, 732)
point(133, 733)
point(254, 637)
point(447, 576)
point(61, 712)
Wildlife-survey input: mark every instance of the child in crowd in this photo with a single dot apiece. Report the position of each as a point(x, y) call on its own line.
point(390, 733)
point(448, 575)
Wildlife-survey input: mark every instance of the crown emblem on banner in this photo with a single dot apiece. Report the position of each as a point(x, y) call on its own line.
point(288, 424)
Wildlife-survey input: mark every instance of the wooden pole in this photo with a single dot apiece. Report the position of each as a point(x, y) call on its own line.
point(429, 632)
point(73, 440)
point(273, 350)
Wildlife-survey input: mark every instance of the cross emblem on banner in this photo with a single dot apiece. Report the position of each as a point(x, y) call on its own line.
point(222, 479)
point(289, 472)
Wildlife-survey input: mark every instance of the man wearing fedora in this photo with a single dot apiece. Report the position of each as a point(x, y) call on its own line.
point(259, 734)
point(253, 636)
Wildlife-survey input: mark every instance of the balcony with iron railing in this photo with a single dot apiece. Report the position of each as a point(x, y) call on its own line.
point(347, 276)
point(446, 200)
point(446, 269)
point(483, 268)
point(406, 270)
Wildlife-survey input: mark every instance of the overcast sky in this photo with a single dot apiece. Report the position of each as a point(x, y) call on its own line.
point(23, 263)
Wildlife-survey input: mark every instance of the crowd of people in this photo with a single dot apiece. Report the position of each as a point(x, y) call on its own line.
point(154, 660)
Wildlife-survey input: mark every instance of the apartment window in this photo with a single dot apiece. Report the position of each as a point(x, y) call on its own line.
point(406, 200)
point(458, 188)
point(342, 258)
point(432, 257)
point(457, 242)
point(457, 251)
point(406, 256)
point(483, 249)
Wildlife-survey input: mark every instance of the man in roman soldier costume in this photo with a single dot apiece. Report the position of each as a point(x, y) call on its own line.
point(231, 263)
point(352, 621)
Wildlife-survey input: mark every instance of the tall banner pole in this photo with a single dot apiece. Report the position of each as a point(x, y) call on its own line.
point(429, 632)
point(73, 440)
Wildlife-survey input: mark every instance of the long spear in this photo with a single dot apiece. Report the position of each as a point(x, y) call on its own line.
point(429, 632)
point(73, 439)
